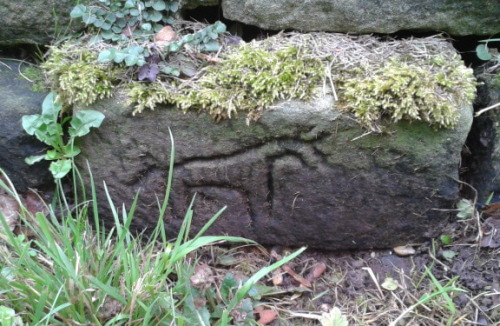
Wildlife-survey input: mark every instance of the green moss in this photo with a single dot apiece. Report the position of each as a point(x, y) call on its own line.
point(146, 96)
point(77, 77)
point(248, 80)
point(35, 75)
point(430, 91)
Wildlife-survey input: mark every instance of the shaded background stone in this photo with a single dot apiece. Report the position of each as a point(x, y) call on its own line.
point(17, 99)
point(459, 18)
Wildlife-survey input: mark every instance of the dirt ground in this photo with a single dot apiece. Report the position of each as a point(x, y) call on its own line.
point(378, 287)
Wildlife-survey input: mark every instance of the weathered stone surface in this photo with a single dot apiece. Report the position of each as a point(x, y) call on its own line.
point(467, 17)
point(298, 176)
point(15, 144)
point(35, 21)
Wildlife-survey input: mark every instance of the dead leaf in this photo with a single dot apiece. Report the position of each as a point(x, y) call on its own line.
point(266, 316)
point(492, 209)
point(128, 31)
point(404, 251)
point(165, 36)
point(10, 211)
point(34, 203)
point(491, 232)
point(296, 276)
point(203, 277)
point(207, 57)
point(316, 272)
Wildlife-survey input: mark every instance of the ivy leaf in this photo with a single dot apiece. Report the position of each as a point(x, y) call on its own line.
point(483, 53)
point(219, 27)
point(77, 11)
point(159, 5)
point(211, 46)
point(155, 16)
point(174, 7)
point(129, 4)
point(106, 55)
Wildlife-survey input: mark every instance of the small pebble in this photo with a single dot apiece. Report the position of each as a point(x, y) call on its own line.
point(404, 251)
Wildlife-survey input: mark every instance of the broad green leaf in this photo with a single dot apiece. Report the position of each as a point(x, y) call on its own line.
point(71, 151)
point(60, 168)
point(53, 155)
point(50, 107)
point(33, 159)
point(8, 317)
point(30, 123)
point(83, 121)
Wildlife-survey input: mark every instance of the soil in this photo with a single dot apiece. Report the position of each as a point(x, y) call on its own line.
point(348, 284)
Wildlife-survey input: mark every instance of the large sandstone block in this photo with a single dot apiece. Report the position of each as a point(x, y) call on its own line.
point(471, 17)
point(301, 175)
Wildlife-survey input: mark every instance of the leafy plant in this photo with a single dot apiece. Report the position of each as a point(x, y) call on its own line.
point(140, 18)
point(119, 21)
point(465, 209)
point(440, 292)
point(47, 128)
point(8, 317)
point(73, 271)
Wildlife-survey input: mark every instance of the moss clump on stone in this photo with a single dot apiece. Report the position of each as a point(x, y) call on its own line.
point(77, 77)
point(247, 79)
point(430, 91)
point(144, 96)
